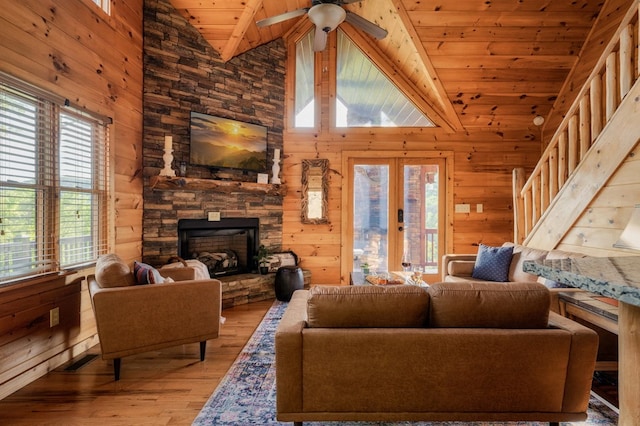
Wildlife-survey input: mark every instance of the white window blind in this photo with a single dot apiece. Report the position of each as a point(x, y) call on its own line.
point(53, 184)
point(82, 188)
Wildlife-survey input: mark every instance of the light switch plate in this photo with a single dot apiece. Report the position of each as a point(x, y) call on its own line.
point(463, 208)
point(213, 216)
point(479, 208)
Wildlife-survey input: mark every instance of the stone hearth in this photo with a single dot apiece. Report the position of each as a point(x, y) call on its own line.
point(247, 288)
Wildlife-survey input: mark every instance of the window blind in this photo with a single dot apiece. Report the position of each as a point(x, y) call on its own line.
point(53, 184)
point(25, 248)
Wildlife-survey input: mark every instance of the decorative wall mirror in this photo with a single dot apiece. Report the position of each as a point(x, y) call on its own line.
point(315, 191)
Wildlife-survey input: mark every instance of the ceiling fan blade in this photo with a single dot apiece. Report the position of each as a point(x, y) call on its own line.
point(367, 26)
point(320, 40)
point(282, 17)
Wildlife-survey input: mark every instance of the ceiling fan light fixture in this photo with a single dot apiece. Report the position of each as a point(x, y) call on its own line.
point(327, 16)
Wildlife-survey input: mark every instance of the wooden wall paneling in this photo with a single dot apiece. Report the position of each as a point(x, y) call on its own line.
point(68, 48)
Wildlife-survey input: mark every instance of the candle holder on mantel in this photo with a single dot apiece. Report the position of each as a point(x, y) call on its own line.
point(168, 158)
point(275, 169)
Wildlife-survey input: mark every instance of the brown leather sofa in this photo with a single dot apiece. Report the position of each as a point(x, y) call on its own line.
point(132, 319)
point(453, 352)
point(459, 268)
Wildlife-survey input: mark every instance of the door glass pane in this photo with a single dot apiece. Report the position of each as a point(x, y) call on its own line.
point(421, 216)
point(370, 216)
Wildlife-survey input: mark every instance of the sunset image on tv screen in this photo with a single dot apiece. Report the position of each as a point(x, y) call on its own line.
point(225, 143)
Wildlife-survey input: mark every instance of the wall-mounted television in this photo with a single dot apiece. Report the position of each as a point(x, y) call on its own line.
point(223, 143)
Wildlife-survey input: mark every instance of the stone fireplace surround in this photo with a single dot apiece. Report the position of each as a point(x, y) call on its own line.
point(168, 200)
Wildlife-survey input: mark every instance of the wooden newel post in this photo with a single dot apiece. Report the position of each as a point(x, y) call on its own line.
point(518, 206)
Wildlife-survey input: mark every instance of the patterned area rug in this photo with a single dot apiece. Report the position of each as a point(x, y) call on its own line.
point(247, 394)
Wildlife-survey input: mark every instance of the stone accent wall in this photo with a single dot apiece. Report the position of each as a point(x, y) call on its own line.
point(183, 73)
point(247, 288)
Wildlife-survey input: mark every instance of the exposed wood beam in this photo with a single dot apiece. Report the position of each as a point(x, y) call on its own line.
point(240, 29)
point(437, 89)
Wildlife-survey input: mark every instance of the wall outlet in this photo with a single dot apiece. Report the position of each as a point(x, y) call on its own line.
point(213, 216)
point(479, 208)
point(54, 317)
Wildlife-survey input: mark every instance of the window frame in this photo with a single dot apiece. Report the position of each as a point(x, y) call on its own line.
point(46, 256)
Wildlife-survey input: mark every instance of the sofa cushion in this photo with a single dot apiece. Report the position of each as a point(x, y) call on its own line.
point(520, 255)
point(146, 274)
point(111, 271)
point(492, 263)
point(367, 306)
point(489, 305)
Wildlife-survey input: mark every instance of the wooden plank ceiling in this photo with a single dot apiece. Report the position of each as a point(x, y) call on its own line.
point(482, 63)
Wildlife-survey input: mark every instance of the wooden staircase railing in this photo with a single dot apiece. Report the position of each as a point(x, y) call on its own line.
point(610, 82)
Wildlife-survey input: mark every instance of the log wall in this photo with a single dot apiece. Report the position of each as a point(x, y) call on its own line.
point(70, 48)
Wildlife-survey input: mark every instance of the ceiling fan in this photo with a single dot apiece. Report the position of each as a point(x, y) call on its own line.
point(326, 15)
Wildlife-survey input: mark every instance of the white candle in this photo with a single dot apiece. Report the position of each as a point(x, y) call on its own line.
point(276, 154)
point(168, 141)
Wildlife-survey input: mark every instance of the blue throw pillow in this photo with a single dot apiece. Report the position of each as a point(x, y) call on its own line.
point(146, 274)
point(492, 263)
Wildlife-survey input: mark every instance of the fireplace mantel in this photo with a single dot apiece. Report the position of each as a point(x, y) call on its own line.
point(223, 186)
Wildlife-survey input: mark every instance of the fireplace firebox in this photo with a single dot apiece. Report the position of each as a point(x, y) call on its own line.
point(226, 246)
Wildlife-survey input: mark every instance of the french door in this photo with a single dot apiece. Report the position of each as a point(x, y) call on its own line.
point(396, 213)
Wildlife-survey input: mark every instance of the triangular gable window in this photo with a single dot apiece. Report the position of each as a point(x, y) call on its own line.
point(366, 97)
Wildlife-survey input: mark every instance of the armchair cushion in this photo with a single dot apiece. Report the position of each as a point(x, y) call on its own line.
point(111, 271)
point(492, 263)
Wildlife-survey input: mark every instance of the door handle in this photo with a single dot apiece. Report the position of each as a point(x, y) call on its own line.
point(400, 219)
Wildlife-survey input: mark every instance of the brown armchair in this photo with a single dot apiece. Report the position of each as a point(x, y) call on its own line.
point(132, 319)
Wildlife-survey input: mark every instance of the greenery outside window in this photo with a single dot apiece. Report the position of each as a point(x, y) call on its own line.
point(53, 183)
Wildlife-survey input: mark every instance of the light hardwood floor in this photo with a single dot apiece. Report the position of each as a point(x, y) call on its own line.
point(166, 387)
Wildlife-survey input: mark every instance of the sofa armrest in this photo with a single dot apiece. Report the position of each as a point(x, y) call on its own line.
point(457, 264)
point(137, 319)
point(289, 354)
point(582, 361)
